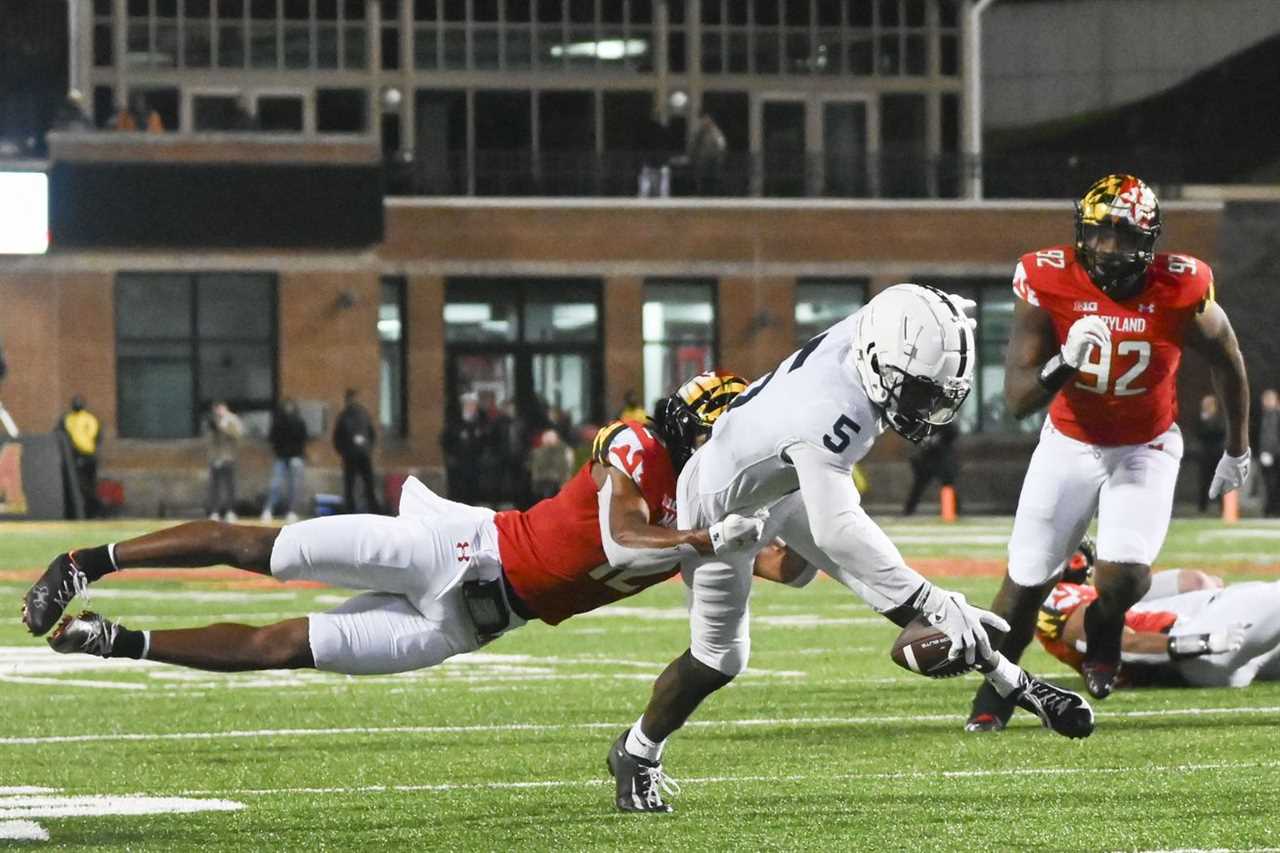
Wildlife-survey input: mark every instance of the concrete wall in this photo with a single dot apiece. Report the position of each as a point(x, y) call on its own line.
point(1057, 58)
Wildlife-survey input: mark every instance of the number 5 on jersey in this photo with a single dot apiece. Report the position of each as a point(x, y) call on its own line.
point(1096, 372)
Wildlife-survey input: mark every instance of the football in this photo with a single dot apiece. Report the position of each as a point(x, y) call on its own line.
point(922, 648)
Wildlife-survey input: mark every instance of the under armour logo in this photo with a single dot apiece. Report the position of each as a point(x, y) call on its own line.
point(463, 555)
point(1147, 308)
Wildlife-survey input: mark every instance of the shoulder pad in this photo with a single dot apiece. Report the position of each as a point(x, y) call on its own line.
point(1192, 278)
point(604, 438)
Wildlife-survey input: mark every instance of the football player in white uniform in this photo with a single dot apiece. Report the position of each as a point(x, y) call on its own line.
point(1189, 628)
point(788, 444)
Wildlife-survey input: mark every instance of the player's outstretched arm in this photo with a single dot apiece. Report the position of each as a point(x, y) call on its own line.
point(1211, 335)
point(630, 541)
point(1032, 348)
point(868, 563)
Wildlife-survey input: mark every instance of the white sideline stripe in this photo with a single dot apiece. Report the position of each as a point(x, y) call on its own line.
point(26, 789)
point(720, 780)
point(22, 830)
point(551, 727)
point(63, 805)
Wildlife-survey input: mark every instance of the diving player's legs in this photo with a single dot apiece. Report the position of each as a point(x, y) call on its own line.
point(373, 633)
point(1256, 604)
point(192, 545)
point(1134, 508)
point(1058, 498)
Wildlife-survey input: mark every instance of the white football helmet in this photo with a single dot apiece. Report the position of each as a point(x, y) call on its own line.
point(913, 351)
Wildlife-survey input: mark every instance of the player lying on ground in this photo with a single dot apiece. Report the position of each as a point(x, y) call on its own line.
point(1188, 629)
point(445, 578)
point(1099, 327)
point(788, 443)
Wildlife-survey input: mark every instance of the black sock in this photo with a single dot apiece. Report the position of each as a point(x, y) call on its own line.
point(127, 644)
point(94, 562)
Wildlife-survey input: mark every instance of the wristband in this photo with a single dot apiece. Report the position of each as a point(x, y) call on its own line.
point(1188, 646)
point(1055, 373)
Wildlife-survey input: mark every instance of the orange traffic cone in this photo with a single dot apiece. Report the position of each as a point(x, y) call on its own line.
point(947, 498)
point(1231, 507)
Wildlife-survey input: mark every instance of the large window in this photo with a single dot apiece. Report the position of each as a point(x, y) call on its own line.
point(821, 303)
point(184, 341)
point(391, 356)
point(528, 343)
point(679, 323)
point(985, 410)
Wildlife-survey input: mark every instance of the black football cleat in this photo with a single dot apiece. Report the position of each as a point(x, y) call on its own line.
point(86, 634)
point(1099, 678)
point(641, 783)
point(1064, 712)
point(990, 711)
point(48, 597)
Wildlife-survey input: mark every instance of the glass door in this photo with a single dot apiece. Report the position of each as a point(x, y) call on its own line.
point(522, 357)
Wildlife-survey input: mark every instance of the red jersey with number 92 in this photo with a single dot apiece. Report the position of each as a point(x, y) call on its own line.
point(1128, 394)
point(552, 553)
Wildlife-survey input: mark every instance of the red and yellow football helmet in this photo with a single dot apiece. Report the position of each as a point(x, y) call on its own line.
point(1117, 223)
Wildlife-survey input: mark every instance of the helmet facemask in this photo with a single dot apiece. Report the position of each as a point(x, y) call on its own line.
point(915, 406)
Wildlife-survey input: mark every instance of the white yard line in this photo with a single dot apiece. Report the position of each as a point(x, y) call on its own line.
point(553, 727)
point(1014, 772)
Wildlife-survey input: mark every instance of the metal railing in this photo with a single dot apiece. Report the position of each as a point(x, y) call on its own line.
point(747, 175)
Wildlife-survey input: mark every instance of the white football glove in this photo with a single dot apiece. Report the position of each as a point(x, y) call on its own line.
point(963, 624)
point(1231, 473)
point(1085, 334)
point(735, 531)
point(1229, 640)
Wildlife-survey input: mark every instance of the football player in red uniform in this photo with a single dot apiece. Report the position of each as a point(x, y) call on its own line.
point(1098, 332)
point(1187, 630)
point(443, 578)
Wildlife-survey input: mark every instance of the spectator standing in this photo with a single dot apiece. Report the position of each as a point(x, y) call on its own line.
point(224, 431)
point(463, 441)
point(354, 438)
point(934, 458)
point(510, 436)
point(1269, 450)
point(83, 431)
point(1211, 429)
point(288, 439)
point(706, 153)
point(655, 153)
point(550, 465)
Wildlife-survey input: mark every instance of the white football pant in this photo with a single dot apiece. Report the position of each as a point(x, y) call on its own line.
point(1130, 487)
point(413, 565)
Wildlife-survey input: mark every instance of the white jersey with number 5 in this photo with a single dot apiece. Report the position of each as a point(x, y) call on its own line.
point(812, 397)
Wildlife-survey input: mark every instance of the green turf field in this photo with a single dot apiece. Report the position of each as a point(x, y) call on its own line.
point(823, 745)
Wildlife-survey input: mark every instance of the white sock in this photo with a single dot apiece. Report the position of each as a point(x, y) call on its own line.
point(641, 747)
point(1005, 676)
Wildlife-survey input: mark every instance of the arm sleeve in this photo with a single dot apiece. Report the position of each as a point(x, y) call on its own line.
point(622, 557)
point(865, 560)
